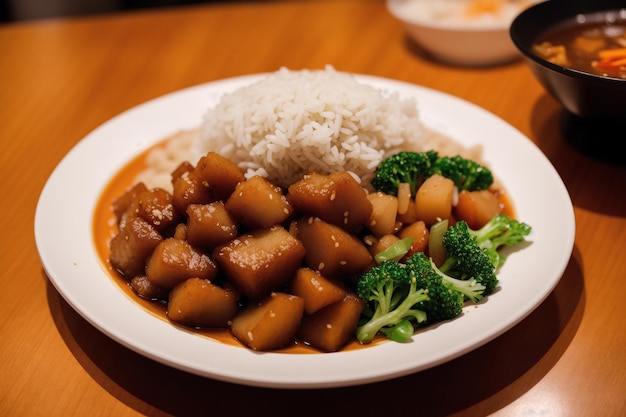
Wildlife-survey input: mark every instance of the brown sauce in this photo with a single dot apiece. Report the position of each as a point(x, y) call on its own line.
point(105, 227)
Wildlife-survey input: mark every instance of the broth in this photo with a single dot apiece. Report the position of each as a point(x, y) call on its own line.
point(595, 44)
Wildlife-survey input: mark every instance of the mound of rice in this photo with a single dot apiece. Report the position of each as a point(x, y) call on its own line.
point(293, 122)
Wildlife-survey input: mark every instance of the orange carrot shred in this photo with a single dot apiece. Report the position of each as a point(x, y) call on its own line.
point(612, 53)
point(619, 62)
point(611, 59)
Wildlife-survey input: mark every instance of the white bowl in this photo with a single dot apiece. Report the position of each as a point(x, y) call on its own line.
point(443, 30)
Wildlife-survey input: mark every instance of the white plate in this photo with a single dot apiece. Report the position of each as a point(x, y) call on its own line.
point(63, 232)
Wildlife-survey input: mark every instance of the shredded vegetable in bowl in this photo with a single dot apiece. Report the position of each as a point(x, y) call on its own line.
point(595, 45)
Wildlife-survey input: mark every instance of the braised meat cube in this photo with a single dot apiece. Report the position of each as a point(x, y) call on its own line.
point(174, 260)
point(209, 225)
point(336, 198)
point(130, 248)
point(261, 261)
point(332, 327)
point(156, 207)
point(218, 176)
point(197, 302)
point(180, 231)
point(131, 211)
point(258, 204)
point(183, 168)
point(316, 290)
point(187, 189)
point(141, 285)
point(122, 204)
point(271, 323)
point(332, 250)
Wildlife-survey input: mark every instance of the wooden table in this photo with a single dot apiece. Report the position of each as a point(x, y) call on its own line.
point(59, 79)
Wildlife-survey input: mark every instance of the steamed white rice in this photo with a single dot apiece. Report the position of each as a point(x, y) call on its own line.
point(293, 122)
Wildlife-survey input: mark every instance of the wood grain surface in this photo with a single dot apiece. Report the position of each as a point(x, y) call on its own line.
point(61, 78)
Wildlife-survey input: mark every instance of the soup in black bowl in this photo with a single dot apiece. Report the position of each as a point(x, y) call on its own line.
point(574, 49)
point(593, 44)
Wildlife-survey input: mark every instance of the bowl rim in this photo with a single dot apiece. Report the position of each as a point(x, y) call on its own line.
point(568, 15)
point(393, 6)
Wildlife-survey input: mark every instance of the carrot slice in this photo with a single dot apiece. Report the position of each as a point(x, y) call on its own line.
point(611, 59)
point(619, 62)
point(612, 53)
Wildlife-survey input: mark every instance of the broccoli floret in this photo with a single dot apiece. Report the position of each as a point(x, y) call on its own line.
point(390, 295)
point(445, 301)
point(469, 288)
point(404, 167)
point(415, 167)
point(465, 173)
point(500, 231)
point(465, 259)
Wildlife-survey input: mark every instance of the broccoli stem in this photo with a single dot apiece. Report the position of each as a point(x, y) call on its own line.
point(401, 332)
point(404, 310)
point(470, 288)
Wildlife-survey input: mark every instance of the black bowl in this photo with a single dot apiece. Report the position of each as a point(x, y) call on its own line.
point(583, 94)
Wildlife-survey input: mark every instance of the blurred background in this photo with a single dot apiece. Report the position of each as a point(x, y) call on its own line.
point(24, 10)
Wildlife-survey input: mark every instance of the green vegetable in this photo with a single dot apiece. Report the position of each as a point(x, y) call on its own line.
point(396, 251)
point(435, 241)
point(390, 295)
point(415, 167)
point(445, 294)
point(410, 167)
point(401, 297)
point(401, 332)
point(500, 231)
point(469, 288)
point(466, 173)
point(465, 259)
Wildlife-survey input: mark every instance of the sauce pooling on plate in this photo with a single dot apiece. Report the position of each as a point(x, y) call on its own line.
point(107, 228)
point(595, 44)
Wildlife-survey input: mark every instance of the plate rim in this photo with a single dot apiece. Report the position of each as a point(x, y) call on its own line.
point(388, 369)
